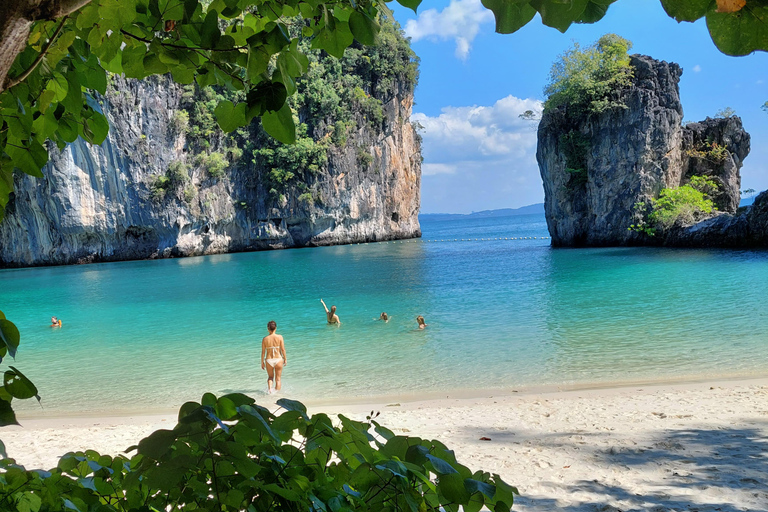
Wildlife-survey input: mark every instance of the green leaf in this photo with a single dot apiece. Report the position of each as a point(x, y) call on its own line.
point(7, 416)
point(410, 4)
point(363, 27)
point(452, 487)
point(686, 10)
point(18, 385)
point(28, 502)
point(441, 466)
point(595, 11)
point(334, 40)
point(266, 96)
point(559, 14)
point(95, 128)
point(292, 405)
point(9, 335)
point(229, 116)
point(510, 15)
point(740, 33)
point(58, 86)
point(474, 486)
point(157, 444)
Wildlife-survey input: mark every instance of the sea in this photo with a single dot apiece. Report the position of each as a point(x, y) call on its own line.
point(505, 312)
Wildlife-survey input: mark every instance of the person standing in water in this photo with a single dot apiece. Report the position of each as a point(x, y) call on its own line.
point(273, 357)
point(384, 317)
point(420, 320)
point(333, 318)
point(55, 322)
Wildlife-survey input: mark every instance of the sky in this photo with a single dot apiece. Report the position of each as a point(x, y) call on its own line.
point(479, 155)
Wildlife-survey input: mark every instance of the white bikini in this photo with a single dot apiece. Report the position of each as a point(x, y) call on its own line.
point(272, 361)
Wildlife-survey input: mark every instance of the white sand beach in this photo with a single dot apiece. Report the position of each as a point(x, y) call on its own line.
point(700, 446)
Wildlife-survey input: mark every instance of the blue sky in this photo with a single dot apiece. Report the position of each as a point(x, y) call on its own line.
point(479, 155)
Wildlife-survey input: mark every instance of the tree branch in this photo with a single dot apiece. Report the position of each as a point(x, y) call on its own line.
point(11, 82)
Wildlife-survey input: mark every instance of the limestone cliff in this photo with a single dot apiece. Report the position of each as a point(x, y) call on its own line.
point(631, 155)
point(151, 191)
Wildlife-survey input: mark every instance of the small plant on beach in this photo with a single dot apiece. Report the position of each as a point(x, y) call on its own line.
point(228, 454)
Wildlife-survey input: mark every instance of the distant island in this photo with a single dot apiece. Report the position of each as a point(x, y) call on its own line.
point(532, 209)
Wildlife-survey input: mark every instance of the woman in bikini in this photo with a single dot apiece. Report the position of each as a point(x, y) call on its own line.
point(273, 357)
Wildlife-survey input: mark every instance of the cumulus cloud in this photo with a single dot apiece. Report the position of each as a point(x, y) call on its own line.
point(460, 22)
point(487, 149)
point(696, 68)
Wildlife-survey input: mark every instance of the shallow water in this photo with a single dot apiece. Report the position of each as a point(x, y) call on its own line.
point(501, 314)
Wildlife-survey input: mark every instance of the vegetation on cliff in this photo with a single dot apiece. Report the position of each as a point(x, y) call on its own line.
point(683, 205)
point(590, 80)
point(336, 98)
point(584, 82)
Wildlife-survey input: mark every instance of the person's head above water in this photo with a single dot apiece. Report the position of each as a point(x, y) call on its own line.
point(54, 320)
point(384, 316)
point(333, 309)
point(271, 326)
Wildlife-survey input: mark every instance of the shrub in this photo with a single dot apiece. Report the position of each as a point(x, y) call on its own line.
point(215, 164)
point(228, 454)
point(180, 121)
point(364, 158)
point(711, 151)
point(590, 80)
point(307, 198)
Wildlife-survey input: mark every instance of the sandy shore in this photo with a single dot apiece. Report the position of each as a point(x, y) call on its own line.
point(697, 447)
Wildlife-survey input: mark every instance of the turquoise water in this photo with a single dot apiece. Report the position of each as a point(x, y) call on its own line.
point(501, 314)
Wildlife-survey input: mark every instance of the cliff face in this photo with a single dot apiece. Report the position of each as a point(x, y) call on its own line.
point(120, 201)
point(631, 155)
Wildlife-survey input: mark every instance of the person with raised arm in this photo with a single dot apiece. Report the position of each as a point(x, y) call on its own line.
point(331, 315)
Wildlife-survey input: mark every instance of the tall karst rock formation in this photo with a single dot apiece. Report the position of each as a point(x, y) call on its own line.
point(631, 154)
point(167, 182)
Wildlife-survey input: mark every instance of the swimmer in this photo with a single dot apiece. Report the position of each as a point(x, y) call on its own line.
point(333, 318)
point(384, 317)
point(420, 320)
point(273, 357)
point(55, 322)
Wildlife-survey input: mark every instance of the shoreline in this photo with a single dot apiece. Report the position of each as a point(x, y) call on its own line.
point(665, 447)
point(423, 397)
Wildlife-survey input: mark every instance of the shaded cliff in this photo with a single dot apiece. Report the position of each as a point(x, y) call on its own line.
point(167, 183)
point(630, 154)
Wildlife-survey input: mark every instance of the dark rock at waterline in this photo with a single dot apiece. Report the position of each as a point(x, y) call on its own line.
point(632, 154)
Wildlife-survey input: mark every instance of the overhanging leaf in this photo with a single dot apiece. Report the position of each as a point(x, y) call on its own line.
point(510, 15)
point(7, 416)
point(9, 335)
point(18, 385)
point(686, 10)
point(280, 125)
point(739, 33)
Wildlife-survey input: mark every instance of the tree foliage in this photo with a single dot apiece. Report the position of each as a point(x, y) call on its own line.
point(590, 80)
point(679, 205)
point(229, 454)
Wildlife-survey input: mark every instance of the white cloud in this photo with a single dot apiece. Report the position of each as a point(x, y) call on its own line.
point(480, 157)
point(696, 68)
point(429, 169)
point(459, 21)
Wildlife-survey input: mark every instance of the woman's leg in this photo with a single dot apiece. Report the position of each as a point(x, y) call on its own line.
point(270, 377)
point(278, 375)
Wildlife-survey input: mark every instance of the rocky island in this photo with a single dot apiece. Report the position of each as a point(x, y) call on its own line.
point(167, 182)
point(605, 166)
